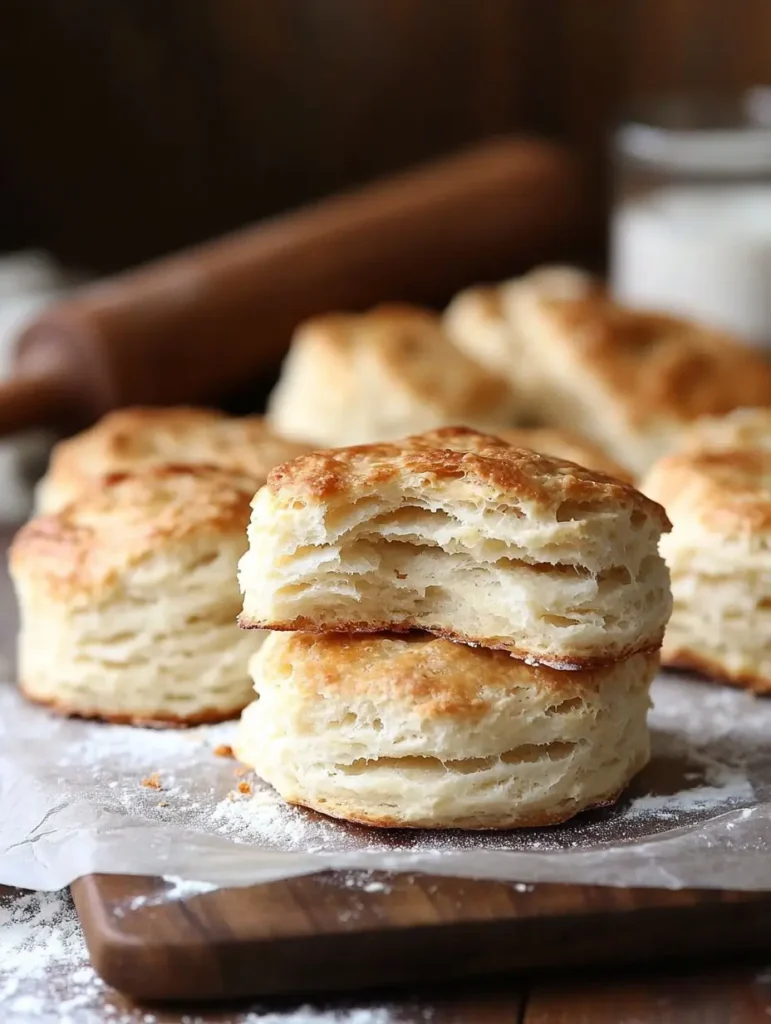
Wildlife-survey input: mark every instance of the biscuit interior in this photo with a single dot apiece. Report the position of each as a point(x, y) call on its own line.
point(462, 535)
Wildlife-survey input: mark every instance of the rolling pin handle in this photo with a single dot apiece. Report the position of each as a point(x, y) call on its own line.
point(33, 401)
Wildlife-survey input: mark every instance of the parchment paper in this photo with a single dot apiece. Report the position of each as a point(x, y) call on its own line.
point(79, 797)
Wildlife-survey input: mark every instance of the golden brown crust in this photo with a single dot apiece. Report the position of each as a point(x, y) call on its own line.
point(558, 663)
point(522, 821)
point(439, 678)
point(150, 720)
point(408, 344)
point(122, 519)
point(563, 444)
point(684, 658)
point(662, 365)
point(449, 454)
point(131, 439)
point(725, 491)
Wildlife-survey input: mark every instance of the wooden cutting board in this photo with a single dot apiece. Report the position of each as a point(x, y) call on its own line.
point(330, 931)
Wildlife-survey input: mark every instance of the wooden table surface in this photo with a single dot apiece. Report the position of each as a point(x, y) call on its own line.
point(704, 993)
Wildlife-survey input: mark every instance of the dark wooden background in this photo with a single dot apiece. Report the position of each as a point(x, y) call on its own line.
point(131, 127)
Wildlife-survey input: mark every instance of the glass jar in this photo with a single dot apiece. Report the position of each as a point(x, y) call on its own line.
point(691, 221)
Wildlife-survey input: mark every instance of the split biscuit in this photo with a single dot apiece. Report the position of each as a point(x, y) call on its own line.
point(462, 535)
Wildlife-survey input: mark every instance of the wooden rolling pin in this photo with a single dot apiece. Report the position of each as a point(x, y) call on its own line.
point(190, 327)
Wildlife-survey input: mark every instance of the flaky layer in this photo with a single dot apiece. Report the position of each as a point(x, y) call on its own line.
point(464, 536)
point(421, 732)
point(358, 378)
point(164, 647)
point(719, 554)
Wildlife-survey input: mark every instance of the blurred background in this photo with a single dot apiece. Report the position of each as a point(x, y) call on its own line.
point(134, 127)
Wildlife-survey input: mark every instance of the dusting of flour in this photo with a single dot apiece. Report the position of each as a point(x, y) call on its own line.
point(46, 977)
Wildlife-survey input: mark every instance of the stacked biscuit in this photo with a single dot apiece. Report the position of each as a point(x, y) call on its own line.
point(717, 489)
point(126, 579)
point(464, 632)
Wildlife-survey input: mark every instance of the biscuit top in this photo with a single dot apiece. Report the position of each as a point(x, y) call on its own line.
point(487, 468)
point(130, 439)
point(742, 428)
point(662, 365)
point(439, 678)
point(724, 491)
point(124, 519)
point(562, 444)
point(404, 347)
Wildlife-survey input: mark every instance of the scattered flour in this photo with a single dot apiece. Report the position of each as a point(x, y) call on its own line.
point(46, 977)
point(45, 974)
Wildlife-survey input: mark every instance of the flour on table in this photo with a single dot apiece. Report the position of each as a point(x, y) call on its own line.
point(46, 977)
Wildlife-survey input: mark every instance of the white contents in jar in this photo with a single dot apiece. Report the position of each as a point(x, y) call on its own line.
point(702, 251)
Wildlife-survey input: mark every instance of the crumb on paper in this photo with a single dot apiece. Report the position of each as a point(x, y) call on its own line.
point(224, 750)
point(162, 803)
point(245, 787)
point(152, 781)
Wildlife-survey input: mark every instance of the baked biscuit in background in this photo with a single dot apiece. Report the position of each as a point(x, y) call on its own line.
point(742, 428)
point(564, 444)
point(630, 380)
point(128, 599)
point(359, 378)
point(483, 321)
point(420, 732)
point(131, 439)
point(462, 535)
point(719, 555)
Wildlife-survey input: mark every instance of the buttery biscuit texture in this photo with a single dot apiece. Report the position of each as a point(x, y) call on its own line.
point(630, 380)
point(128, 599)
point(420, 732)
point(462, 535)
point(132, 439)
point(564, 444)
point(719, 555)
point(375, 376)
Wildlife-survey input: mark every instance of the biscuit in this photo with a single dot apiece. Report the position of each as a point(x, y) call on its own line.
point(462, 535)
point(719, 555)
point(563, 444)
point(483, 322)
point(131, 439)
point(631, 381)
point(128, 599)
point(358, 378)
point(420, 732)
point(742, 428)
